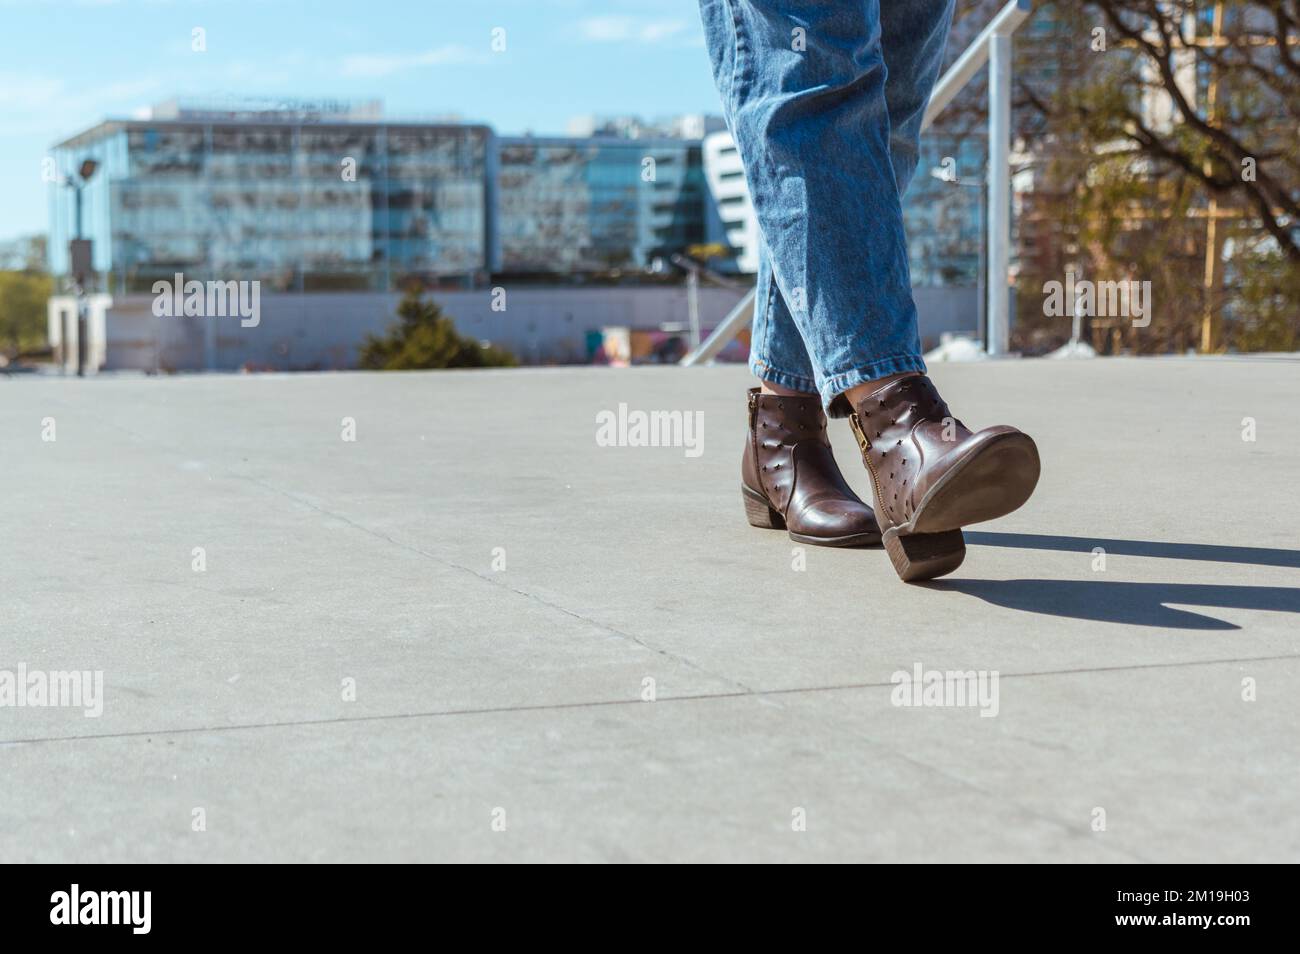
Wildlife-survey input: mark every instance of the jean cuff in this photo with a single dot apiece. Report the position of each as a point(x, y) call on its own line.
point(796, 382)
point(832, 389)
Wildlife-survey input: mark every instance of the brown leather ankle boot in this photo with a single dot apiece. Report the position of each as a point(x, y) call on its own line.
point(789, 479)
point(932, 476)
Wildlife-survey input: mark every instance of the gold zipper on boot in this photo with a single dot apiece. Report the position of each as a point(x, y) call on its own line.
point(864, 445)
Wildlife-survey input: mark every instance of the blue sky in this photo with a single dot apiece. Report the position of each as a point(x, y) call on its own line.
point(66, 64)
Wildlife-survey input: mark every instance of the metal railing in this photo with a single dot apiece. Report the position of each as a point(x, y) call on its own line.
point(992, 46)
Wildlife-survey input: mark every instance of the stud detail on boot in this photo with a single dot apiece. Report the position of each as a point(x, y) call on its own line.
point(789, 478)
point(932, 475)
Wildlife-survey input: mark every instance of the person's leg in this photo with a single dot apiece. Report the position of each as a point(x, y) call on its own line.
point(777, 356)
point(931, 474)
point(913, 35)
point(806, 89)
point(803, 84)
point(789, 478)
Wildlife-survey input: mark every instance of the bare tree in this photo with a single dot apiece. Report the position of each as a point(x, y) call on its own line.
point(1172, 129)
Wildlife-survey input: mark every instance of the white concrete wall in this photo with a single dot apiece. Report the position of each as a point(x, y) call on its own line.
point(324, 330)
point(540, 325)
point(62, 329)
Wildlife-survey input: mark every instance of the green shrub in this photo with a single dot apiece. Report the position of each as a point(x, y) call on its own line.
point(424, 337)
point(23, 309)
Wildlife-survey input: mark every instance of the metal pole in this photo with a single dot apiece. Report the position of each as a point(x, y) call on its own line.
point(1004, 23)
point(736, 320)
point(999, 201)
point(81, 300)
point(983, 279)
point(693, 307)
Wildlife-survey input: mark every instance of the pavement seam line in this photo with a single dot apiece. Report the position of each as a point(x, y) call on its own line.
point(599, 703)
point(682, 660)
point(411, 548)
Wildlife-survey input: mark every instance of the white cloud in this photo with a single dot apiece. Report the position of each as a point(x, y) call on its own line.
point(624, 29)
point(384, 64)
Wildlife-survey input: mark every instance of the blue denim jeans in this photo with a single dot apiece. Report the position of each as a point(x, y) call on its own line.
point(824, 99)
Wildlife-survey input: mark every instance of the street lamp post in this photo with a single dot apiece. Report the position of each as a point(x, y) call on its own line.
point(79, 258)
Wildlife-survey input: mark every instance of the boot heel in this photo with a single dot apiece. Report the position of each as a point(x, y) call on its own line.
point(923, 556)
point(759, 513)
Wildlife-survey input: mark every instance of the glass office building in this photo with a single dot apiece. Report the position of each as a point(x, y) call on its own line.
point(308, 201)
point(300, 203)
point(578, 205)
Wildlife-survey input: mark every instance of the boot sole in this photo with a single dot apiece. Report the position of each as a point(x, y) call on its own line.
point(760, 514)
point(991, 482)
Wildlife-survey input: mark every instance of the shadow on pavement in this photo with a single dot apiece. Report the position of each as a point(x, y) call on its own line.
point(1258, 556)
point(1135, 604)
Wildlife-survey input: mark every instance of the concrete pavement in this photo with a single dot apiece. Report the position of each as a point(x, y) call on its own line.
point(437, 641)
